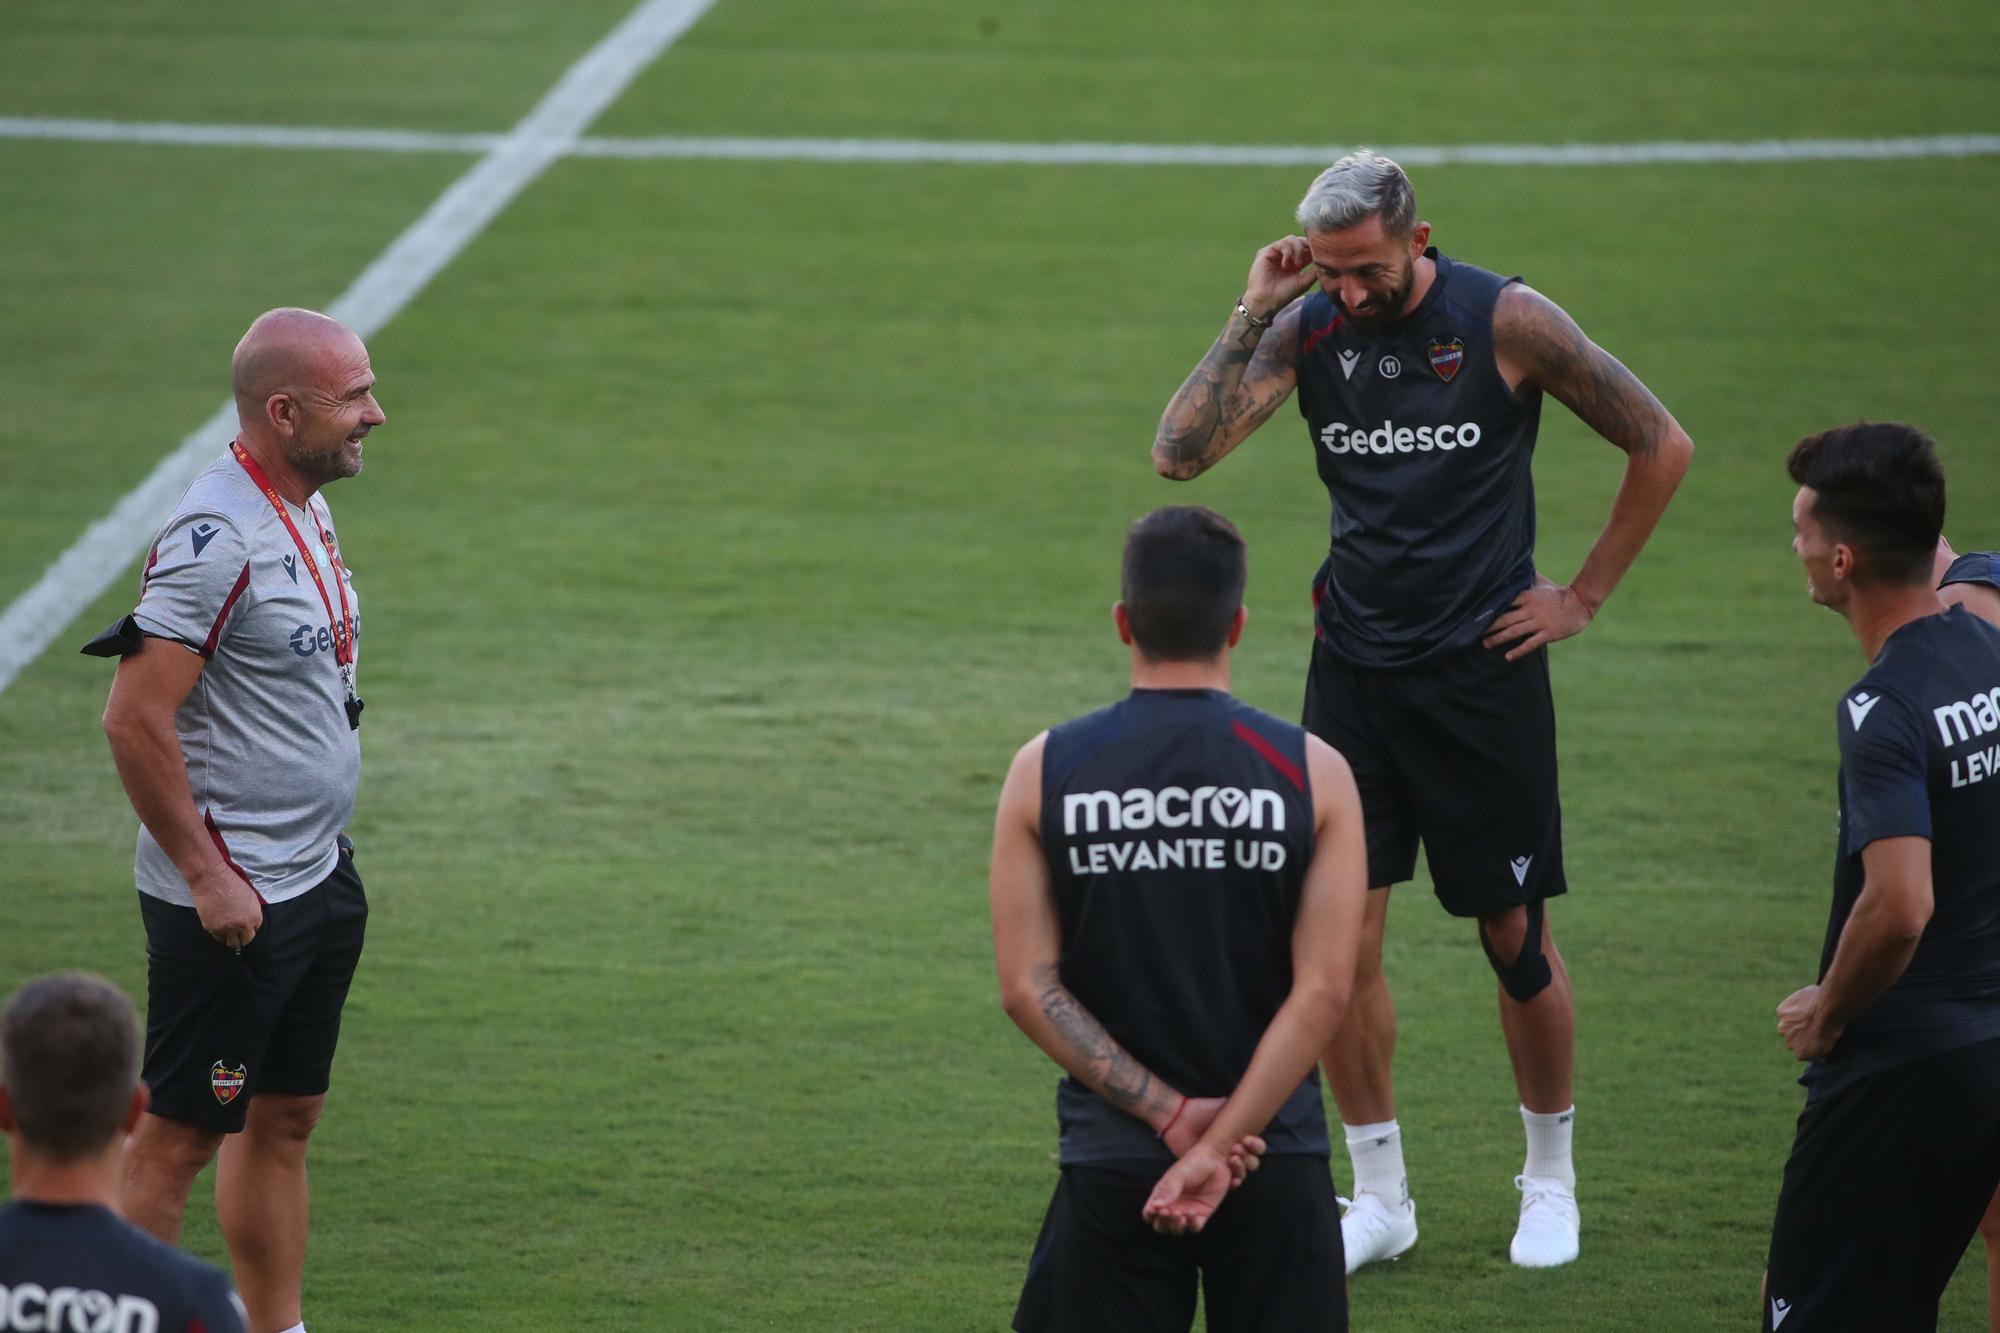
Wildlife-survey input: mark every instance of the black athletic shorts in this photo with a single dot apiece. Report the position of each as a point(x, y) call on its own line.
point(1269, 1260)
point(1460, 754)
point(1885, 1185)
point(222, 1027)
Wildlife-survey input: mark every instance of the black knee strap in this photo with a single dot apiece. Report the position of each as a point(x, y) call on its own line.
point(1529, 974)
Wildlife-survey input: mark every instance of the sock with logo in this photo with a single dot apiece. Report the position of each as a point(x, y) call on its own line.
point(1548, 1145)
point(1377, 1153)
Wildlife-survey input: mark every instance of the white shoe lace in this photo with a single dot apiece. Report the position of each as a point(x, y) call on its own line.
point(1374, 1220)
point(1547, 1197)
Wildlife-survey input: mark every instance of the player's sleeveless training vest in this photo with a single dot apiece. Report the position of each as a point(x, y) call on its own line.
point(81, 1266)
point(1178, 825)
point(1425, 453)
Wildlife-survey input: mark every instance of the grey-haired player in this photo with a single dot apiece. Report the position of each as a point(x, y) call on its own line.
point(1421, 379)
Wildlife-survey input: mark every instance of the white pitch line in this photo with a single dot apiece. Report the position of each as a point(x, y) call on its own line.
point(1297, 155)
point(243, 136)
point(1042, 154)
point(554, 129)
point(107, 547)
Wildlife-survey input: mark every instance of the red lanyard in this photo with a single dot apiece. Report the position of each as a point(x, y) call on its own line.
point(343, 642)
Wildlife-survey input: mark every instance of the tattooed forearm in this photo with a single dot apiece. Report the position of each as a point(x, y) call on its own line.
point(1535, 333)
point(1191, 428)
point(1233, 390)
point(1096, 1059)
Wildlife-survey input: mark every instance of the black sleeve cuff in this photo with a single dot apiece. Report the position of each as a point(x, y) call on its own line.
point(123, 638)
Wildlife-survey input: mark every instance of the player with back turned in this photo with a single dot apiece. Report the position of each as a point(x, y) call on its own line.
point(1421, 379)
point(1897, 1152)
point(1177, 885)
point(69, 1094)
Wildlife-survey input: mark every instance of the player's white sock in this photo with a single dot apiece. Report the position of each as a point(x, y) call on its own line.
point(1548, 1146)
point(1377, 1153)
point(299, 1327)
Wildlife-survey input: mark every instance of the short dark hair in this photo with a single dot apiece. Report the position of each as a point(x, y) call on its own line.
point(69, 1059)
point(1879, 487)
point(1182, 582)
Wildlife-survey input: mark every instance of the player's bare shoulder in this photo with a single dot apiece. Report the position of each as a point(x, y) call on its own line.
point(1978, 598)
point(1533, 337)
point(1028, 759)
point(1021, 795)
point(1333, 788)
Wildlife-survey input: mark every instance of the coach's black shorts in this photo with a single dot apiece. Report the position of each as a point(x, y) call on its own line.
point(1460, 754)
point(222, 1027)
point(1269, 1260)
point(1885, 1185)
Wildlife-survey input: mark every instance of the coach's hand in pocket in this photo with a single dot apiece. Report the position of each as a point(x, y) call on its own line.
point(228, 907)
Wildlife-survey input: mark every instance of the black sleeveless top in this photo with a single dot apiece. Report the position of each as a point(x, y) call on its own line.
point(1178, 825)
point(68, 1266)
point(1425, 453)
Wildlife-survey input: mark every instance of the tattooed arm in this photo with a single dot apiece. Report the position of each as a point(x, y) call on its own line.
point(1246, 374)
point(1026, 945)
point(1539, 347)
point(1079, 1043)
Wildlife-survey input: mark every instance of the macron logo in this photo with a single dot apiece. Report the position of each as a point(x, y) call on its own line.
point(1520, 865)
point(203, 535)
point(1779, 1309)
point(1858, 706)
point(31, 1306)
point(1173, 807)
point(1961, 721)
point(1348, 360)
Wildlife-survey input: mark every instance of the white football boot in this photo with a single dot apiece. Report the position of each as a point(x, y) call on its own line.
point(1372, 1230)
point(1547, 1233)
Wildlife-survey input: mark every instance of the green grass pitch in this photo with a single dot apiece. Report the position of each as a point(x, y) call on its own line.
point(734, 521)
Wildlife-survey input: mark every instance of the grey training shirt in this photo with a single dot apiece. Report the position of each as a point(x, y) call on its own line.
point(272, 762)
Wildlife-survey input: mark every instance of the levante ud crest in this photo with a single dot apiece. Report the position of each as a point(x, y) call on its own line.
point(1447, 355)
point(226, 1080)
